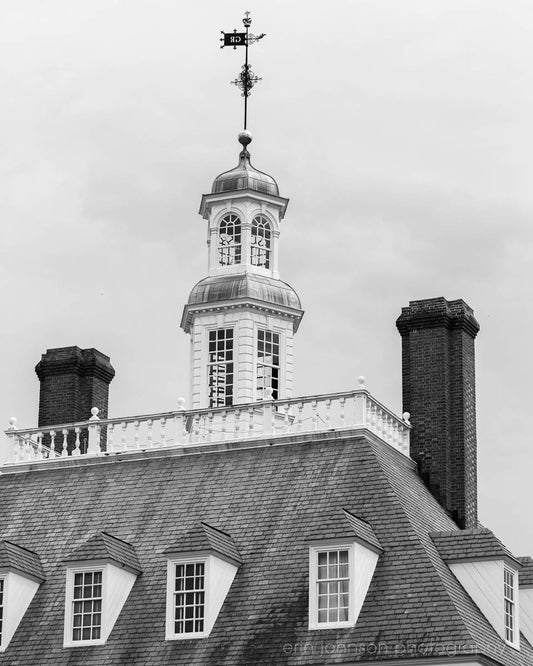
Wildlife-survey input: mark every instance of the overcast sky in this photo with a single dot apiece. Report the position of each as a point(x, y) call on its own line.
point(400, 131)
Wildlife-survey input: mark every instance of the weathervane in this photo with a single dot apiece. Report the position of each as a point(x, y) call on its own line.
point(246, 79)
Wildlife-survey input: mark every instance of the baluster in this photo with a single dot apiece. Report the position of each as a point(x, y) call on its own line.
point(162, 431)
point(110, 435)
point(136, 435)
point(328, 413)
point(286, 420)
point(224, 424)
point(300, 418)
point(76, 451)
point(210, 417)
point(181, 422)
point(64, 452)
point(342, 403)
point(149, 433)
point(53, 442)
point(250, 421)
point(395, 433)
point(314, 418)
point(9, 453)
point(39, 452)
point(178, 428)
point(196, 427)
point(237, 423)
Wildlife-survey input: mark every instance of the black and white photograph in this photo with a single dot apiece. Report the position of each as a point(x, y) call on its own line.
point(266, 364)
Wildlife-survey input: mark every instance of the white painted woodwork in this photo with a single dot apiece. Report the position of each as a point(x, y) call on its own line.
point(19, 591)
point(483, 580)
point(352, 410)
point(117, 583)
point(219, 575)
point(245, 323)
point(526, 612)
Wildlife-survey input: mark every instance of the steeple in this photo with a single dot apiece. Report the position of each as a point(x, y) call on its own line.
point(242, 317)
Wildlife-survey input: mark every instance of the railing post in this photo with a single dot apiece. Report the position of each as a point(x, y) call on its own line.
point(94, 433)
point(268, 412)
point(7, 452)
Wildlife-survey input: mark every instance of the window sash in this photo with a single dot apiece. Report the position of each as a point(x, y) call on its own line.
point(509, 605)
point(229, 240)
point(268, 363)
point(189, 597)
point(220, 367)
point(86, 605)
point(261, 242)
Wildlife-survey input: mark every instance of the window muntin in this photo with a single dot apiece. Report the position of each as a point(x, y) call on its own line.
point(87, 606)
point(268, 365)
point(229, 240)
point(189, 597)
point(261, 242)
point(220, 367)
point(509, 605)
point(333, 585)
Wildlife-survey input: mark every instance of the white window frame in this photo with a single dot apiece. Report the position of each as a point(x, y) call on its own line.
point(234, 219)
point(257, 364)
point(209, 365)
point(69, 604)
point(313, 584)
point(515, 629)
point(171, 578)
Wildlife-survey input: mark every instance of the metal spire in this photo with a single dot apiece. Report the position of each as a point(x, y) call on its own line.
point(246, 79)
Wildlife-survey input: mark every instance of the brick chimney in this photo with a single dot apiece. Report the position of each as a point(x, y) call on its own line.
point(439, 393)
point(73, 381)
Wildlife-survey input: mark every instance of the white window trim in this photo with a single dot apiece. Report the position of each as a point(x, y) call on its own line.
point(282, 381)
point(171, 568)
point(313, 574)
point(5, 578)
point(68, 641)
point(515, 601)
point(19, 591)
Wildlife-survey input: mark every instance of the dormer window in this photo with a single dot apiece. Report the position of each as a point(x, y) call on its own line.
point(509, 605)
point(229, 240)
point(261, 242)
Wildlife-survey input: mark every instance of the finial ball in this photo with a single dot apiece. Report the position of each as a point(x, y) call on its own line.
point(245, 137)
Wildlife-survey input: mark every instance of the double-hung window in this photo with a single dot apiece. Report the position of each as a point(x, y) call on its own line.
point(331, 592)
point(188, 602)
point(87, 606)
point(509, 605)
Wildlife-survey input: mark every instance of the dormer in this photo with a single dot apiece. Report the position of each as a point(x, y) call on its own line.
point(100, 574)
point(340, 573)
point(489, 574)
point(201, 567)
point(21, 574)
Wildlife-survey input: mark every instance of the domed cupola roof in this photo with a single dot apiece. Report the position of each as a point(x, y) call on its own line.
point(242, 288)
point(244, 176)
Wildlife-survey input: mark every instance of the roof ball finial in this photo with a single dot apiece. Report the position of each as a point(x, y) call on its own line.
point(245, 137)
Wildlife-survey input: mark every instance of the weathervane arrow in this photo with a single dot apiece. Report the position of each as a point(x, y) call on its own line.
point(246, 79)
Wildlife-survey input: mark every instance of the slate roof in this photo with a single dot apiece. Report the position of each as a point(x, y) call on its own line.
point(20, 559)
point(526, 572)
point(363, 531)
point(204, 537)
point(470, 544)
point(103, 546)
point(272, 499)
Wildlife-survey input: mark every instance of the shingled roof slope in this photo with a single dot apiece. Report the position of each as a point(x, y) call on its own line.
point(362, 530)
point(204, 537)
point(526, 572)
point(425, 516)
point(272, 500)
point(20, 559)
point(470, 544)
point(103, 546)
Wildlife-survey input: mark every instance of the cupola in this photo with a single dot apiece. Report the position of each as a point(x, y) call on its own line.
point(242, 317)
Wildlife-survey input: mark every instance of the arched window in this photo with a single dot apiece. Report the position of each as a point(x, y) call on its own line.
point(229, 240)
point(261, 240)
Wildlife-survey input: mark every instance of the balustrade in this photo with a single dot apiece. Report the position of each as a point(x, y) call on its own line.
point(269, 419)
